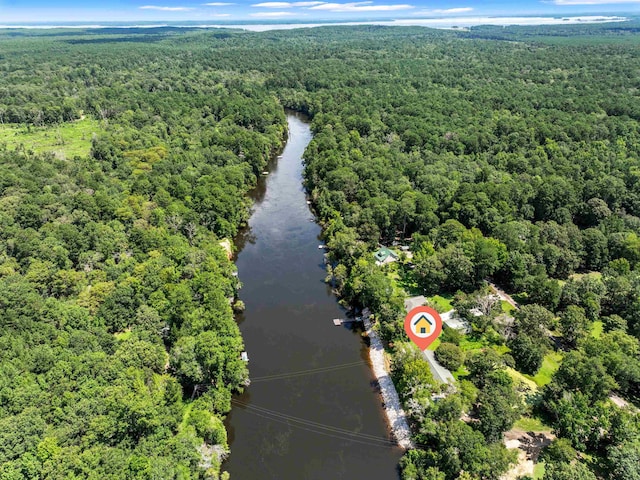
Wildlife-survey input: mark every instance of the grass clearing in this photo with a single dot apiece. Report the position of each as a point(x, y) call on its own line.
point(393, 275)
point(507, 307)
point(66, 140)
point(461, 372)
point(501, 349)
point(531, 424)
point(538, 471)
point(467, 344)
point(436, 343)
point(550, 365)
point(407, 281)
point(442, 303)
point(518, 377)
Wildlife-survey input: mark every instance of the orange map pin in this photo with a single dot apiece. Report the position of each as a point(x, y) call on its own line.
point(423, 325)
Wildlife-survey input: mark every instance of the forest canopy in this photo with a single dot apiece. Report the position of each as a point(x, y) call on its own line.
point(114, 290)
point(507, 154)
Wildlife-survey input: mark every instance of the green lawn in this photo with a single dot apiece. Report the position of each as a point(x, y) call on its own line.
point(467, 344)
point(517, 377)
point(538, 471)
point(461, 372)
point(442, 303)
point(550, 364)
point(66, 140)
point(501, 349)
point(435, 344)
point(394, 276)
point(528, 424)
point(506, 306)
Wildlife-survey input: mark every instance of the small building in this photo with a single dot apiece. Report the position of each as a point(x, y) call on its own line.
point(385, 255)
point(413, 302)
point(452, 320)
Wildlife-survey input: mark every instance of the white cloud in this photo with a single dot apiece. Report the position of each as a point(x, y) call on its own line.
point(286, 4)
point(165, 9)
point(448, 22)
point(271, 14)
point(451, 10)
point(217, 4)
point(591, 2)
point(360, 7)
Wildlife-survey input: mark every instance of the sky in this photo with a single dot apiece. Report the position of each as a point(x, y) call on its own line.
point(311, 11)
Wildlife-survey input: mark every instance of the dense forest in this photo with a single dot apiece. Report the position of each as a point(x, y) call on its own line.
point(114, 289)
point(509, 155)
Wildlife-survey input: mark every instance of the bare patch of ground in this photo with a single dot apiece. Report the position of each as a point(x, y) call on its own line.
point(530, 445)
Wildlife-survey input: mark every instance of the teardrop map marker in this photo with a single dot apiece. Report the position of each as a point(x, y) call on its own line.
point(423, 325)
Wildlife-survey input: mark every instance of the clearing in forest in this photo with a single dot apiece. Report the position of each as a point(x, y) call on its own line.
point(66, 140)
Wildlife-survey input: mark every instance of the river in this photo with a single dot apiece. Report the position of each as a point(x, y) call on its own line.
point(311, 383)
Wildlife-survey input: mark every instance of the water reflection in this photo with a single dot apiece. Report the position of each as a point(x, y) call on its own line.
point(313, 411)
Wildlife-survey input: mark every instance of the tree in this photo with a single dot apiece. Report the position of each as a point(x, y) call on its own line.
point(528, 353)
point(449, 356)
point(596, 253)
point(482, 364)
point(576, 419)
point(498, 406)
point(583, 374)
point(568, 471)
point(415, 465)
point(458, 447)
point(457, 267)
point(574, 325)
point(544, 291)
point(489, 256)
point(533, 320)
point(559, 451)
point(624, 461)
point(619, 354)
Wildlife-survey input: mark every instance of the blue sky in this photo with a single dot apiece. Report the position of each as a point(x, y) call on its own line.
point(34, 11)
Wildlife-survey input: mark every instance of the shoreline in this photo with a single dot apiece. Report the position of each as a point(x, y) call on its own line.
point(396, 416)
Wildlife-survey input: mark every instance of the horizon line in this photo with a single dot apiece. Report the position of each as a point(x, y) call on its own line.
point(587, 18)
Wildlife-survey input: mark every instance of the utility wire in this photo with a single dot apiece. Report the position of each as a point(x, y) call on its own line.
point(316, 426)
point(300, 373)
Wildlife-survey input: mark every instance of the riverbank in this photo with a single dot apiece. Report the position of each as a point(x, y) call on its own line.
point(301, 417)
point(393, 408)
